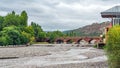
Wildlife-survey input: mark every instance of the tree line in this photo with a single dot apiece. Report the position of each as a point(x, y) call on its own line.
point(14, 30)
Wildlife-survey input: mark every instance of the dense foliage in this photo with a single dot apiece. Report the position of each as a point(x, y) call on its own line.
point(15, 31)
point(53, 35)
point(113, 47)
point(42, 36)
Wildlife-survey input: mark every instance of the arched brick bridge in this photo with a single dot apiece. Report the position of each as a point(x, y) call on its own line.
point(78, 40)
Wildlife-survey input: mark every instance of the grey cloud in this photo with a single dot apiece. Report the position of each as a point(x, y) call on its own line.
point(60, 14)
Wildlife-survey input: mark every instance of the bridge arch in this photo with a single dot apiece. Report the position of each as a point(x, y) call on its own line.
point(78, 41)
point(93, 41)
point(59, 41)
point(69, 41)
point(83, 41)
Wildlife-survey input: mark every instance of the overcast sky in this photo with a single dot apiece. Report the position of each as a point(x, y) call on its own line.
point(59, 14)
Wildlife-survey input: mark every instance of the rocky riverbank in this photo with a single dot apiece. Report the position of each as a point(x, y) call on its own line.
point(56, 56)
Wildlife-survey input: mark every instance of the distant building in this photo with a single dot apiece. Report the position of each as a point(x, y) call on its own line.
point(113, 13)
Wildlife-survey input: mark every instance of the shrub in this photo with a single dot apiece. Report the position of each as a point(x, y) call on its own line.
point(113, 47)
point(13, 36)
point(3, 41)
point(24, 38)
point(27, 38)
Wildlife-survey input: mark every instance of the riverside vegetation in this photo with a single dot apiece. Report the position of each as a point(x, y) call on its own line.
point(14, 30)
point(113, 47)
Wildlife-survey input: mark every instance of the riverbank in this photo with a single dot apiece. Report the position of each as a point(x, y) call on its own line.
point(55, 56)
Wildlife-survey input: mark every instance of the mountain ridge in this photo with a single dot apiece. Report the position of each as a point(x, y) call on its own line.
point(95, 29)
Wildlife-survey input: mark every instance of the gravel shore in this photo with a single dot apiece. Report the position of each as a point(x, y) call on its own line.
point(55, 56)
point(80, 65)
point(30, 51)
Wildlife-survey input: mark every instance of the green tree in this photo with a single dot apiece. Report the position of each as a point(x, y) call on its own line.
point(53, 35)
point(41, 36)
point(13, 12)
point(28, 34)
point(14, 29)
point(25, 37)
point(13, 35)
point(1, 22)
point(29, 29)
point(16, 20)
point(37, 29)
point(11, 19)
point(24, 18)
point(3, 41)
